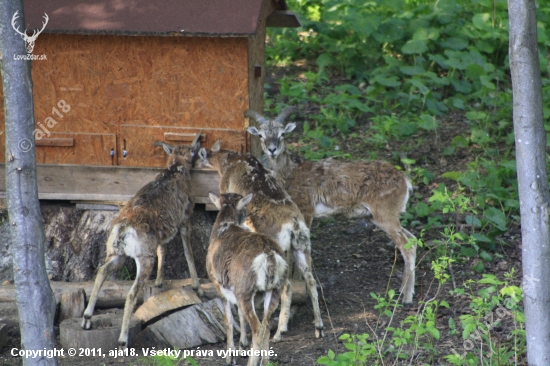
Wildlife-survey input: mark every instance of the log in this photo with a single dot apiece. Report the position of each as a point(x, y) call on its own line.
point(191, 327)
point(104, 333)
point(3, 335)
point(72, 304)
point(113, 293)
point(167, 301)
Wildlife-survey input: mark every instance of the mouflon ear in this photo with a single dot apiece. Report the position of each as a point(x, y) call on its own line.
point(290, 127)
point(215, 200)
point(166, 146)
point(244, 201)
point(217, 146)
point(253, 131)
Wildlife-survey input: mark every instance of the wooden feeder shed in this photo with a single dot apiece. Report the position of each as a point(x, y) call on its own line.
point(120, 75)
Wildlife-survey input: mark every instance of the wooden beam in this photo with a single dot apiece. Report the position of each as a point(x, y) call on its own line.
point(182, 137)
point(55, 142)
point(106, 183)
point(283, 19)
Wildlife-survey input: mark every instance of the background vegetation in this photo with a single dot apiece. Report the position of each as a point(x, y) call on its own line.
point(371, 74)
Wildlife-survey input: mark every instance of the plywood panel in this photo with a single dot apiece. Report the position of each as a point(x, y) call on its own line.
point(158, 81)
point(88, 148)
point(71, 148)
point(139, 141)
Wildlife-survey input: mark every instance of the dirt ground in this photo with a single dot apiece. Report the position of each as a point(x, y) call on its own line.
point(351, 260)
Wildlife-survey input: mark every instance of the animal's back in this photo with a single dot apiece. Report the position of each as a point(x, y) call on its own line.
point(159, 207)
point(332, 187)
point(237, 249)
point(270, 202)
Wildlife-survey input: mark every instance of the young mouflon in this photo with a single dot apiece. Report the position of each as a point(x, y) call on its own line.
point(270, 212)
point(147, 222)
point(240, 264)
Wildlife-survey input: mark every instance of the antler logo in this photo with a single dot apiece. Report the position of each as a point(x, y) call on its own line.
point(29, 39)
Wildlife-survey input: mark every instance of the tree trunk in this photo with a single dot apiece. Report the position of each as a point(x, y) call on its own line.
point(532, 177)
point(35, 300)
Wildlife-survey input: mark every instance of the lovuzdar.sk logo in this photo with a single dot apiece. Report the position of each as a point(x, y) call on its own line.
point(29, 40)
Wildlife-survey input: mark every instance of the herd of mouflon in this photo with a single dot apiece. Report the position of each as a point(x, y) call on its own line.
point(265, 211)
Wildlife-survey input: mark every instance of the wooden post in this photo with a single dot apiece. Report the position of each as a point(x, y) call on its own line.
point(73, 304)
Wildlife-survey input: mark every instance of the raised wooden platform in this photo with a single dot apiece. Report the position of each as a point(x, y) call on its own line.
point(93, 183)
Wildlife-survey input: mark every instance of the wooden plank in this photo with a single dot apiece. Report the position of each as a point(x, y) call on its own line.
point(182, 137)
point(139, 140)
point(104, 183)
point(55, 142)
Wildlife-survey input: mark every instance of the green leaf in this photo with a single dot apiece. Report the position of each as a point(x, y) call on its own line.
point(476, 116)
point(448, 150)
point(485, 256)
point(472, 220)
point(427, 122)
point(344, 336)
point(479, 267)
point(324, 60)
point(414, 46)
point(459, 141)
point(391, 81)
point(474, 71)
point(323, 360)
point(420, 85)
point(412, 70)
point(496, 217)
point(458, 103)
point(482, 21)
point(451, 175)
point(434, 332)
point(454, 43)
point(468, 329)
point(325, 142)
point(468, 251)
point(424, 34)
point(422, 209)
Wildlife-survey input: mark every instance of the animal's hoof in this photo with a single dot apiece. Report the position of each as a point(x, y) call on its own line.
point(319, 332)
point(159, 284)
point(277, 337)
point(87, 323)
point(122, 345)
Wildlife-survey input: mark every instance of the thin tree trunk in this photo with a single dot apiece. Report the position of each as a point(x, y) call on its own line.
point(532, 177)
point(35, 299)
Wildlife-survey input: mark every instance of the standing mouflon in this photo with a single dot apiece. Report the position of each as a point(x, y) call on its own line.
point(371, 189)
point(147, 222)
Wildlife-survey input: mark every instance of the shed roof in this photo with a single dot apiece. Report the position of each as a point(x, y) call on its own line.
point(146, 17)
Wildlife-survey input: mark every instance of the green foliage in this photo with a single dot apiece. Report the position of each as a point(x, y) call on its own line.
point(387, 71)
point(168, 360)
point(490, 307)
